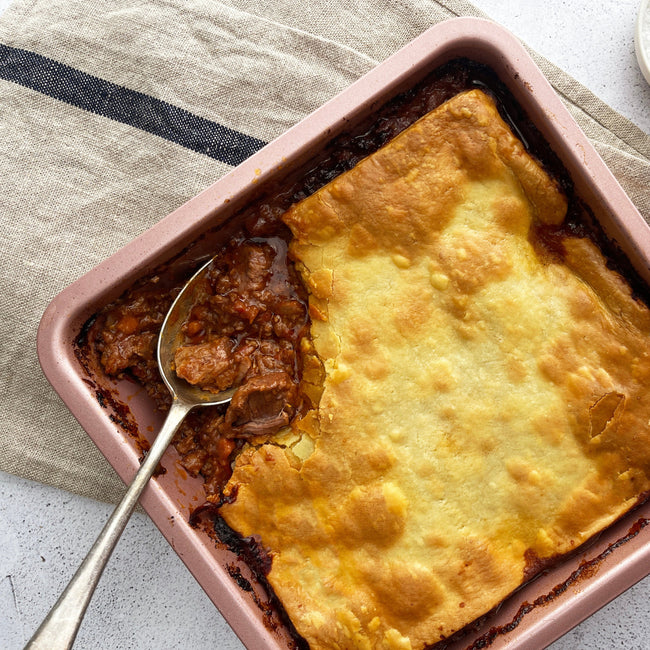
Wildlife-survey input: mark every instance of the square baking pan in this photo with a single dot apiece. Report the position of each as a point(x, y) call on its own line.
point(540, 611)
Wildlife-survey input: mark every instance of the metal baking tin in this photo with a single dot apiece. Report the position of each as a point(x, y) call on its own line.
point(536, 614)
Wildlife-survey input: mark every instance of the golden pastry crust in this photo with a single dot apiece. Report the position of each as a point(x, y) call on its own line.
point(482, 403)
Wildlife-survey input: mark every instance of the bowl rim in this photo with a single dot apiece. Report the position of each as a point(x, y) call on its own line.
point(642, 41)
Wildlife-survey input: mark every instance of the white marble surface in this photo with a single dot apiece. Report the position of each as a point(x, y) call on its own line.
point(147, 598)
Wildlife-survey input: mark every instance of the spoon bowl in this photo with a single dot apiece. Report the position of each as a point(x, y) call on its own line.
point(171, 338)
point(59, 628)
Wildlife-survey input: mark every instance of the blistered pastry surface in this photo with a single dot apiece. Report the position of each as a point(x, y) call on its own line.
point(483, 403)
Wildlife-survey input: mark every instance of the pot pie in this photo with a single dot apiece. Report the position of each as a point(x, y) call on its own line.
point(483, 405)
point(440, 382)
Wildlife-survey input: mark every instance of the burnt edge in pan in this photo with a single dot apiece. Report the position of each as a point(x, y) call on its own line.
point(250, 553)
point(339, 155)
point(254, 555)
point(585, 570)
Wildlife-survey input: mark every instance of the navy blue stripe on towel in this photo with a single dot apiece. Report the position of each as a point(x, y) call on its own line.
point(127, 106)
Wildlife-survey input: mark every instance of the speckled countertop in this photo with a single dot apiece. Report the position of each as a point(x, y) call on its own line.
point(147, 598)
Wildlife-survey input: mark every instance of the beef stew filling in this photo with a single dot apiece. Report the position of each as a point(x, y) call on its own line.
point(245, 329)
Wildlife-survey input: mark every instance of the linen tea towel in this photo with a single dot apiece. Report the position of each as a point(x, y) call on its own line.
point(114, 114)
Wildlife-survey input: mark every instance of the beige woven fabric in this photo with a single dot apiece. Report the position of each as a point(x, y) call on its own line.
point(76, 185)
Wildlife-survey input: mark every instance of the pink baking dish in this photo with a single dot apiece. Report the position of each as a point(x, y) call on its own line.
point(542, 610)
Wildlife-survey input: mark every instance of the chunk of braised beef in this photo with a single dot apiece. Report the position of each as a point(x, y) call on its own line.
point(122, 352)
point(247, 269)
point(211, 365)
point(128, 335)
point(261, 406)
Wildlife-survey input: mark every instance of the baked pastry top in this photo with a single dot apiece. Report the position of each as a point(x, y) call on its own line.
point(482, 399)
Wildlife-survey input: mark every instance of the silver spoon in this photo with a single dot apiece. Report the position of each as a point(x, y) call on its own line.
point(59, 629)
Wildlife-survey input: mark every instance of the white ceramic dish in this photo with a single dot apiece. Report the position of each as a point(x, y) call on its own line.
point(642, 39)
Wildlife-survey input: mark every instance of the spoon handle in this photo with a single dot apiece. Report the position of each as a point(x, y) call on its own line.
point(59, 628)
